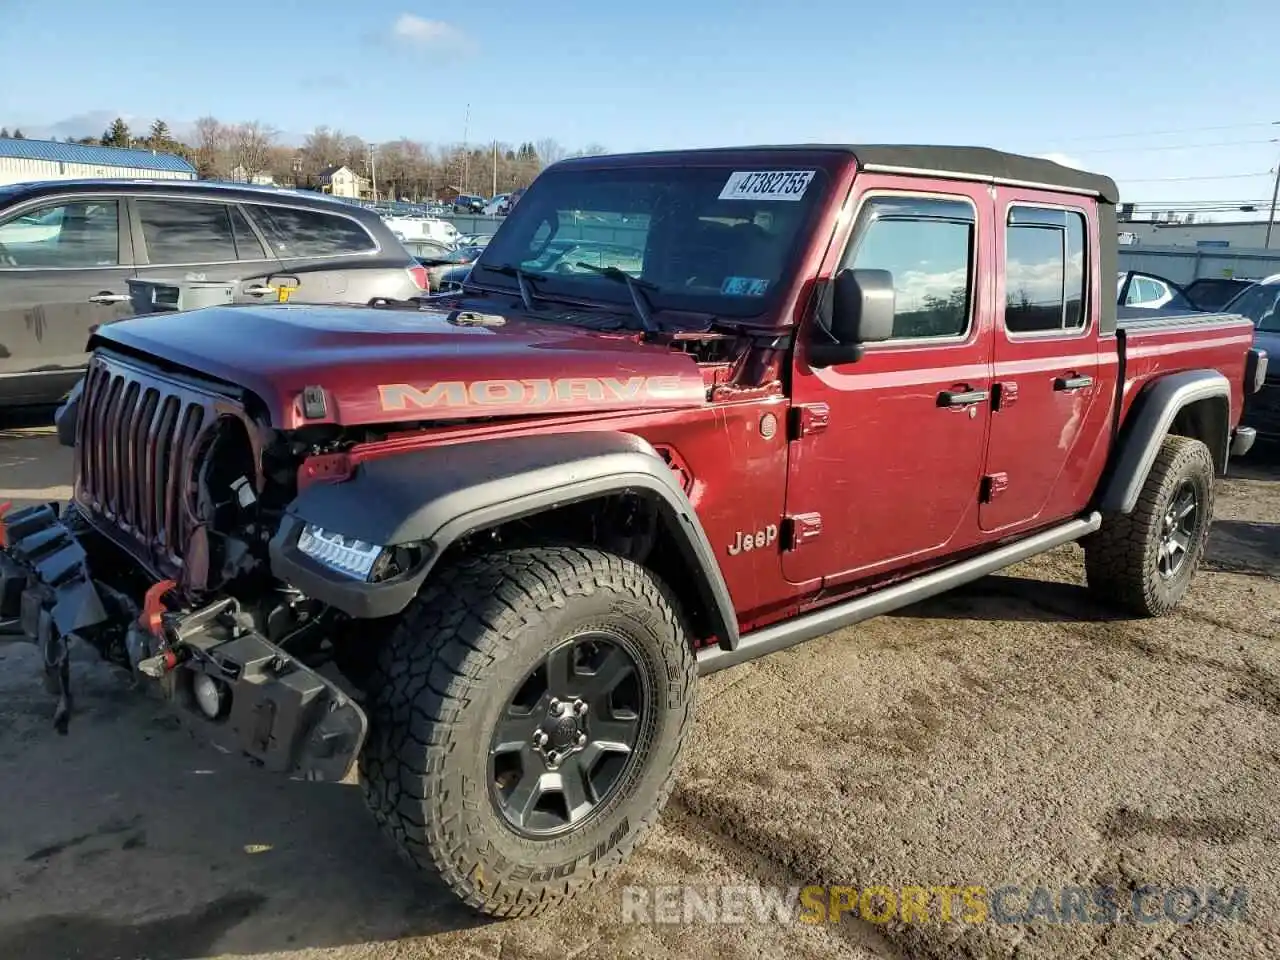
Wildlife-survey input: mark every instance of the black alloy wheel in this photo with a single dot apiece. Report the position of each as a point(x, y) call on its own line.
point(1179, 528)
point(568, 736)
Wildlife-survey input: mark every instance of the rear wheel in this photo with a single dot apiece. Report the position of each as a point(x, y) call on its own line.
point(526, 720)
point(1144, 561)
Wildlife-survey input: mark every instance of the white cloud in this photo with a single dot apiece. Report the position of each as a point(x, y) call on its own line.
point(421, 32)
point(1065, 159)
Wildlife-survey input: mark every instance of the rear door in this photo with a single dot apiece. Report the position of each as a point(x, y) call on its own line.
point(884, 471)
point(1045, 359)
point(193, 239)
point(64, 263)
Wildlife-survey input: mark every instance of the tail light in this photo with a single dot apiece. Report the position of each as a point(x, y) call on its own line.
point(418, 273)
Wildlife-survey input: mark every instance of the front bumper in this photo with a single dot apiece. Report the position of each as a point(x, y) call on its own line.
point(248, 694)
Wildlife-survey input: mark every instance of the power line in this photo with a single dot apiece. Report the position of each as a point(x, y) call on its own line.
point(1180, 146)
point(1169, 133)
point(1226, 176)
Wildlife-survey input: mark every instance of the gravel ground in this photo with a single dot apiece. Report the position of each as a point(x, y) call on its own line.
point(1009, 733)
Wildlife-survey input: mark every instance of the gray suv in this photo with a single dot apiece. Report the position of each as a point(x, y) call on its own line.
point(69, 247)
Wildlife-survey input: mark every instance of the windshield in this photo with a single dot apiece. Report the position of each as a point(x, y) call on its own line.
point(705, 239)
point(1261, 304)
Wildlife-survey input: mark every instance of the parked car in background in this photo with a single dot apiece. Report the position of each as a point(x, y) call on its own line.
point(472, 239)
point(422, 227)
point(1147, 291)
point(449, 265)
point(465, 203)
point(496, 206)
point(512, 199)
point(1260, 303)
point(69, 247)
point(1214, 293)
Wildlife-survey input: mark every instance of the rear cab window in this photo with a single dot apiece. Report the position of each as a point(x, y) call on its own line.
point(295, 233)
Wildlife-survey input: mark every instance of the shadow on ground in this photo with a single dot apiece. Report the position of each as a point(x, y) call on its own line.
point(1241, 546)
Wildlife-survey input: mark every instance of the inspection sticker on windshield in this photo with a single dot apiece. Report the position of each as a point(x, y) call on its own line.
point(767, 185)
point(744, 287)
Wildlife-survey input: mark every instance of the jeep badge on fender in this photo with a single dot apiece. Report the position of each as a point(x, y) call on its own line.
point(753, 539)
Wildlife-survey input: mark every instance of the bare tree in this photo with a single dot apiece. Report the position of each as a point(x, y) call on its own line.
point(251, 147)
point(549, 151)
point(211, 143)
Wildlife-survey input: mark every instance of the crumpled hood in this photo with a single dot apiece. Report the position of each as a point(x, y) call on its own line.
point(379, 365)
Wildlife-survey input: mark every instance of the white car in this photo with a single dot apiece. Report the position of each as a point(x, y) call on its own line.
point(423, 228)
point(494, 207)
point(1145, 291)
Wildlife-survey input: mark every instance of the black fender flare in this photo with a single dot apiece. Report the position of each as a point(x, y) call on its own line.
point(434, 496)
point(1150, 420)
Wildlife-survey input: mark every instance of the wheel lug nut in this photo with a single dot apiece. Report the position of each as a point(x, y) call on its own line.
point(582, 739)
point(580, 707)
point(555, 705)
point(539, 738)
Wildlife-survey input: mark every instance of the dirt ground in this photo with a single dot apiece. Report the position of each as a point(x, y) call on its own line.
point(1010, 733)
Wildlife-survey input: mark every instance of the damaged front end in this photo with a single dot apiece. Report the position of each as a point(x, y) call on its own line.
point(250, 694)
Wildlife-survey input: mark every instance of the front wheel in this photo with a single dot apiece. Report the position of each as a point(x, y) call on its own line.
point(526, 720)
point(1144, 561)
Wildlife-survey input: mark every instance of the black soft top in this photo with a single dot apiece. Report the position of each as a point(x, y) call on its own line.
point(960, 162)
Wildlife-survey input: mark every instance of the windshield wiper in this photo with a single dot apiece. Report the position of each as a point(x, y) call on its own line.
point(644, 309)
point(522, 278)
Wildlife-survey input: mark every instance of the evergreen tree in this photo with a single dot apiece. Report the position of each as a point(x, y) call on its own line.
point(18, 135)
point(161, 138)
point(4, 132)
point(117, 135)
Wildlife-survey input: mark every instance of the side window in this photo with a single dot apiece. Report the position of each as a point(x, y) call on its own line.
point(84, 233)
point(248, 246)
point(927, 245)
point(1044, 270)
point(182, 231)
point(311, 233)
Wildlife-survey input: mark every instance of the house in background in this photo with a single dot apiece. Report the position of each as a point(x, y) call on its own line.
point(258, 179)
point(23, 160)
point(342, 181)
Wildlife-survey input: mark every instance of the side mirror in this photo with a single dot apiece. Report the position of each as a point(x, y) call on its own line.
point(856, 309)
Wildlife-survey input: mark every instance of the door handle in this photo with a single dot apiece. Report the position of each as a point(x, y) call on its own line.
point(1072, 383)
point(110, 298)
point(961, 398)
point(259, 290)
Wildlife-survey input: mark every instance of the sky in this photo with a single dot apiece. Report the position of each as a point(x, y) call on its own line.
point(1161, 96)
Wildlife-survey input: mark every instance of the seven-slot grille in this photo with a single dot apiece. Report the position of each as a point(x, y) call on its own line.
point(137, 437)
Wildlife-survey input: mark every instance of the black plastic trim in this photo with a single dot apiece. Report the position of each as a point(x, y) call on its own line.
point(1150, 420)
point(824, 621)
point(437, 495)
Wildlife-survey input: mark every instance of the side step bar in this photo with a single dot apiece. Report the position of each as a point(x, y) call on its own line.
point(821, 622)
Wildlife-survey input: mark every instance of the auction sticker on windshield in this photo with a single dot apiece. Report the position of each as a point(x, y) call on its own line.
point(767, 185)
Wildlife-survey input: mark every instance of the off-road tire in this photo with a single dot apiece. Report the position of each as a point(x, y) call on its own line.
point(1121, 558)
point(446, 673)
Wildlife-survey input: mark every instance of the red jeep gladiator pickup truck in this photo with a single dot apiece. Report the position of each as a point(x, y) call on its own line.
point(688, 408)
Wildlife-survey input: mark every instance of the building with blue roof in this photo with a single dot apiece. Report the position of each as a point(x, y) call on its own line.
point(25, 160)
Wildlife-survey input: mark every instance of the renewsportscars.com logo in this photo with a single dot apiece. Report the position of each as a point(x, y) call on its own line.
point(974, 904)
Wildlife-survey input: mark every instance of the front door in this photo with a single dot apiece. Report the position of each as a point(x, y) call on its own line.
point(1045, 360)
point(886, 468)
point(64, 264)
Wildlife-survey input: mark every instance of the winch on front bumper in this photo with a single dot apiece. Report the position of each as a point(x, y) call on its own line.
point(248, 693)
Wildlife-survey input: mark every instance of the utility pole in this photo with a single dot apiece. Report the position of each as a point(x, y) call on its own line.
point(1271, 220)
point(373, 171)
point(466, 153)
point(495, 169)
